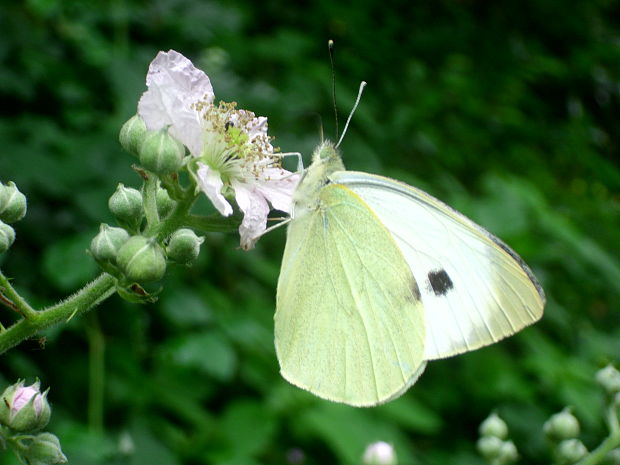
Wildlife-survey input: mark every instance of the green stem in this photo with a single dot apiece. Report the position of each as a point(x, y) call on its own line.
point(20, 304)
point(176, 219)
point(213, 223)
point(597, 455)
point(610, 443)
point(150, 202)
point(96, 372)
point(85, 299)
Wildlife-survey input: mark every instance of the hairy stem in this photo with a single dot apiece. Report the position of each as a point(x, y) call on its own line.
point(18, 303)
point(85, 299)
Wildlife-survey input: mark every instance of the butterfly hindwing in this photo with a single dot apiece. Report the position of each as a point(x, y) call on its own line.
point(475, 289)
point(349, 324)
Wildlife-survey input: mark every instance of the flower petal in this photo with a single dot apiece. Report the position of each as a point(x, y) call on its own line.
point(211, 184)
point(255, 211)
point(174, 86)
point(278, 186)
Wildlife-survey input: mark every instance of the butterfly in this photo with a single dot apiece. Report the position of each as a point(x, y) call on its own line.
point(379, 277)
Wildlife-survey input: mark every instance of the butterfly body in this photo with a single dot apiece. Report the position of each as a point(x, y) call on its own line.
point(378, 277)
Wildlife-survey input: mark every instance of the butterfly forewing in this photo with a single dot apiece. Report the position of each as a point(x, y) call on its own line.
point(475, 289)
point(349, 324)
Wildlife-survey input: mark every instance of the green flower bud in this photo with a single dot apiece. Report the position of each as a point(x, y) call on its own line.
point(380, 453)
point(7, 237)
point(184, 246)
point(24, 408)
point(494, 426)
point(105, 245)
point(161, 153)
point(571, 451)
point(4, 196)
point(14, 205)
point(507, 453)
point(142, 260)
point(44, 450)
point(562, 425)
point(132, 134)
point(609, 378)
point(489, 446)
point(165, 204)
point(126, 205)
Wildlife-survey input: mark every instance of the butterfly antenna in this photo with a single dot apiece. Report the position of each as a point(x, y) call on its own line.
point(330, 47)
point(357, 101)
point(320, 121)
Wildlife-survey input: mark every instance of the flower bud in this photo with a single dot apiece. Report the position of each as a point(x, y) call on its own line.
point(380, 453)
point(24, 408)
point(562, 425)
point(14, 205)
point(161, 153)
point(132, 134)
point(44, 450)
point(105, 245)
point(570, 451)
point(184, 246)
point(142, 260)
point(494, 426)
point(609, 378)
point(7, 237)
point(126, 205)
point(489, 446)
point(164, 203)
point(507, 453)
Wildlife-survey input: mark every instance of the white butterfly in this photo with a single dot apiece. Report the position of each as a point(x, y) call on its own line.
point(379, 277)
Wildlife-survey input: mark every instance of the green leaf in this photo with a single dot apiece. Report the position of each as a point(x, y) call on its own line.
point(67, 264)
point(209, 352)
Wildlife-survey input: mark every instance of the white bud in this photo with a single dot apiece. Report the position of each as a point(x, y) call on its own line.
point(494, 426)
point(380, 453)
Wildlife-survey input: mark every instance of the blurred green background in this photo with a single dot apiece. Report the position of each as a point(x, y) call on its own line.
point(505, 109)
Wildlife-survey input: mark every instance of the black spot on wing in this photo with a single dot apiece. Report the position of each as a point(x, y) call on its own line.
point(440, 282)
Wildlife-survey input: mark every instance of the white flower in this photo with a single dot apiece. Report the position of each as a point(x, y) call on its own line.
point(175, 85)
point(380, 453)
point(231, 151)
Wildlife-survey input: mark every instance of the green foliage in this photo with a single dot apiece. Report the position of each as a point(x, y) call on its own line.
point(507, 110)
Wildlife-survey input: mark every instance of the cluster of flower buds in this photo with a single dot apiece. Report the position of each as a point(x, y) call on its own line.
point(493, 444)
point(127, 253)
point(12, 209)
point(562, 429)
point(157, 150)
point(379, 453)
point(141, 259)
point(24, 412)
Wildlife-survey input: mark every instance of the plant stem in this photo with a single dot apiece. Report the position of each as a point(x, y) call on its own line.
point(96, 373)
point(611, 442)
point(20, 304)
point(150, 202)
point(597, 455)
point(177, 217)
point(85, 299)
point(213, 223)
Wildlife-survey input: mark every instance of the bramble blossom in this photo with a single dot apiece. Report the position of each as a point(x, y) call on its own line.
point(230, 150)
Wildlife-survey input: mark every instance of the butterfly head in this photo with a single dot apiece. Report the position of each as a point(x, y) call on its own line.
point(326, 158)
